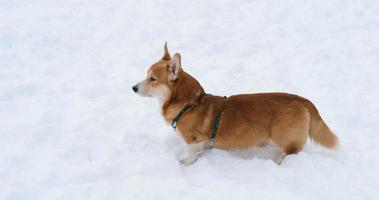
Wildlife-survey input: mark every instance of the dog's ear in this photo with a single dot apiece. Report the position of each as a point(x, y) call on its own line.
point(166, 55)
point(174, 67)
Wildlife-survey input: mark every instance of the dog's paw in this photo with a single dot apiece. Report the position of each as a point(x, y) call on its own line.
point(188, 161)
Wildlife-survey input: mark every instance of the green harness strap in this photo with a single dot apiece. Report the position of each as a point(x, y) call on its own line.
point(180, 114)
point(216, 124)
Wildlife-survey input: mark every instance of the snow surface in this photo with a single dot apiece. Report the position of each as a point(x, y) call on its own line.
point(71, 127)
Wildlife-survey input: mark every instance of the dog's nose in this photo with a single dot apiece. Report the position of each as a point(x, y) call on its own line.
point(135, 88)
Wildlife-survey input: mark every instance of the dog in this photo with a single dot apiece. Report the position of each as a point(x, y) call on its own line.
point(231, 123)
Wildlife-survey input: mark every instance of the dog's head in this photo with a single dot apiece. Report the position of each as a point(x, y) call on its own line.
point(161, 77)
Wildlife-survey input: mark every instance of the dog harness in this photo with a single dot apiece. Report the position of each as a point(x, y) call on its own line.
point(180, 114)
point(216, 122)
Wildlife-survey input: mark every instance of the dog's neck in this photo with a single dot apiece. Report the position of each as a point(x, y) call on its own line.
point(185, 90)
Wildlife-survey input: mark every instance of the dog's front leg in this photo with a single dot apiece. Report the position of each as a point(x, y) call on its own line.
point(193, 151)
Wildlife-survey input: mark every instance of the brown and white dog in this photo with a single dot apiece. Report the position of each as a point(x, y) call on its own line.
point(248, 120)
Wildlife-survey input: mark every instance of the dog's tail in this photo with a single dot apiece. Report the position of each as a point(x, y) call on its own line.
point(319, 132)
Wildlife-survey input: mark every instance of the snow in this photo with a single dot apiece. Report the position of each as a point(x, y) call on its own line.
point(72, 128)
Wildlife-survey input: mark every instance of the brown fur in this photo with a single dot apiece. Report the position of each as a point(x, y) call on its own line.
point(248, 120)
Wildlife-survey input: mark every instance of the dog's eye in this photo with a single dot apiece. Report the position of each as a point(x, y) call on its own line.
point(152, 79)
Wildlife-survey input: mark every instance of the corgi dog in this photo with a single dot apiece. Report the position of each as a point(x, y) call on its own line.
point(231, 123)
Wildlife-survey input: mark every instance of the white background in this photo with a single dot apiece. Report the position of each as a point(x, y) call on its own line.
point(71, 127)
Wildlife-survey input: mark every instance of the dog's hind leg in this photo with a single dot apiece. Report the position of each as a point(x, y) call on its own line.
point(281, 158)
point(193, 151)
point(289, 132)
